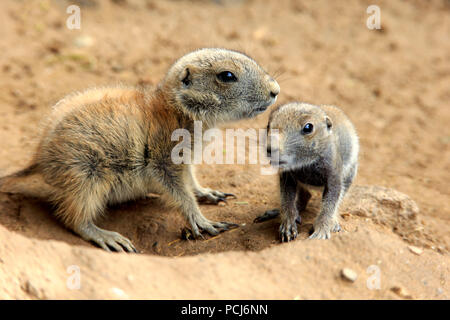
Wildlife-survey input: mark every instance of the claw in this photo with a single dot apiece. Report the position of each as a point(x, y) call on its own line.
point(213, 196)
point(105, 239)
point(198, 236)
point(229, 226)
point(225, 226)
point(213, 228)
point(232, 225)
point(337, 228)
point(319, 235)
point(288, 232)
point(115, 246)
point(187, 234)
point(102, 244)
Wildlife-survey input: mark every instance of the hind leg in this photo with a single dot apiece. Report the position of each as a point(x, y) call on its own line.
point(78, 210)
point(32, 185)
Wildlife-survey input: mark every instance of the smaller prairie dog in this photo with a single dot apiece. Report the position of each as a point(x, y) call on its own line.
point(111, 145)
point(317, 147)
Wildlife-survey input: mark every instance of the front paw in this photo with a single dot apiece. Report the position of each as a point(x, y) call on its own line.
point(324, 230)
point(320, 233)
point(288, 231)
point(212, 196)
point(336, 228)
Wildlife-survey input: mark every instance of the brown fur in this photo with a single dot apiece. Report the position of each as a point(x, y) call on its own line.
point(113, 144)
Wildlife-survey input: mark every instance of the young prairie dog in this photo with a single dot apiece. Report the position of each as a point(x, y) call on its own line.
point(110, 145)
point(317, 147)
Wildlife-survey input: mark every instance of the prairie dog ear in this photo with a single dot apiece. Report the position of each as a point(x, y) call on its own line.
point(185, 76)
point(329, 123)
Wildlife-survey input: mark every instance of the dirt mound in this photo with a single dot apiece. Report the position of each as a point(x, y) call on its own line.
point(154, 230)
point(393, 210)
point(384, 264)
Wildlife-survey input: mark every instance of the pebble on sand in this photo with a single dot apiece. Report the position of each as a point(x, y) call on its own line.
point(349, 274)
point(119, 293)
point(415, 250)
point(401, 292)
point(84, 41)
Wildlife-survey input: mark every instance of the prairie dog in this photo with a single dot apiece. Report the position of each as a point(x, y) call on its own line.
point(113, 144)
point(317, 147)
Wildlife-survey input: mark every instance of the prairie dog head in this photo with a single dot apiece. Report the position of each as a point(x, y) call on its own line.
point(218, 85)
point(303, 135)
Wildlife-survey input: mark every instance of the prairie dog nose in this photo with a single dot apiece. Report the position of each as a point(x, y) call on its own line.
point(273, 87)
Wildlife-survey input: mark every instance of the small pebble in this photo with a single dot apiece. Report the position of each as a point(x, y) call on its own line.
point(119, 293)
point(415, 250)
point(84, 41)
point(401, 292)
point(260, 33)
point(349, 275)
point(116, 67)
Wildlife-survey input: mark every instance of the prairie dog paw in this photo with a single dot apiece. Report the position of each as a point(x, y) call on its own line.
point(211, 196)
point(211, 227)
point(288, 231)
point(336, 227)
point(324, 230)
point(320, 233)
point(107, 240)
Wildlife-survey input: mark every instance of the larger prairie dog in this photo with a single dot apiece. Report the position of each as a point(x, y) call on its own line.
point(113, 144)
point(317, 147)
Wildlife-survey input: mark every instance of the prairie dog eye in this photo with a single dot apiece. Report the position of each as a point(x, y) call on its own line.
point(308, 128)
point(226, 76)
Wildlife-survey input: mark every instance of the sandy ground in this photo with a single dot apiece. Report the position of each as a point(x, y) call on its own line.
point(393, 83)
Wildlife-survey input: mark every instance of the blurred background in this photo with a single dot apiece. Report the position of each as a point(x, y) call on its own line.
point(394, 82)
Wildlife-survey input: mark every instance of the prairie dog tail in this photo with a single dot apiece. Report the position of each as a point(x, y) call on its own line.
point(27, 182)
